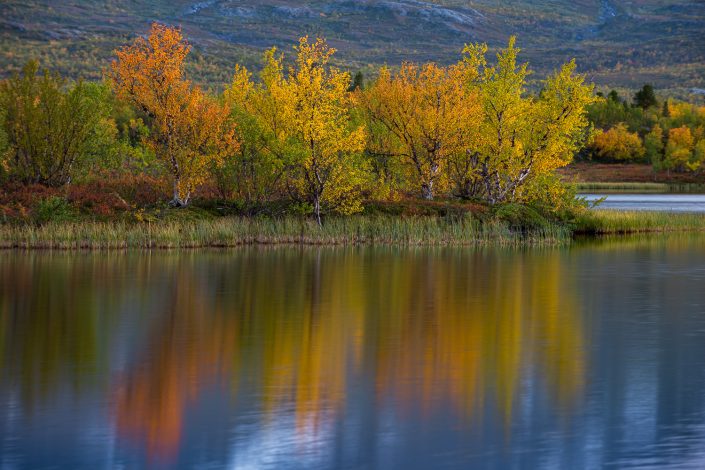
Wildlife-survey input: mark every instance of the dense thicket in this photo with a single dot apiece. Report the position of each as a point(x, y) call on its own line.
point(670, 135)
point(50, 129)
point(303, 131)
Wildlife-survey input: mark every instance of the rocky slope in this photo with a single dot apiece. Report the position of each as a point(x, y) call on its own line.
point(616, 43)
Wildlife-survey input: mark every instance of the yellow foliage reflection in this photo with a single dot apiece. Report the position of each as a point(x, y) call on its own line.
point(299, 329)
point(432, 327)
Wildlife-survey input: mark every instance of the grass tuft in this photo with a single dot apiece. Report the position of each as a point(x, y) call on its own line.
point(628, 187)
point(234, 231)
point(620, 222)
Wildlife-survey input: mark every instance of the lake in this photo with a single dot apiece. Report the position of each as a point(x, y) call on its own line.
point(588, 356)
point(650, 202)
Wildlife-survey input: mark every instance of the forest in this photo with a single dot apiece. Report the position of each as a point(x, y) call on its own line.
point(302, 137)
point(669, 135)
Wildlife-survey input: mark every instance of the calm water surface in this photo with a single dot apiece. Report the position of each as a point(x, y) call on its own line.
point(651, 202)
point(591, 356)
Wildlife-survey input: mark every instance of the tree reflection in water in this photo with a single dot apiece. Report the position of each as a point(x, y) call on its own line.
point(293, 327)
point(336, 353)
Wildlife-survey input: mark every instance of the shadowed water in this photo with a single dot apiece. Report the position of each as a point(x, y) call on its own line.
point(591, 356)
point(650, 202)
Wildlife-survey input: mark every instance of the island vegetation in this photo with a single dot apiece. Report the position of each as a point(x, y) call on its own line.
point(301, 152)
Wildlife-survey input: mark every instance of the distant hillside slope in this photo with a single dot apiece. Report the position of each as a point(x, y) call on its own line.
point(618, 43)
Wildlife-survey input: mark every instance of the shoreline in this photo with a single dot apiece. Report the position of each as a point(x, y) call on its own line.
point(232, 231)
point(636, 175)
point(235, 231)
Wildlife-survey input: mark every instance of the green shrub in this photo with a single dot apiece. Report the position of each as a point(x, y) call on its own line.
point(52, 128)
point(521, 217)
point(53, 209)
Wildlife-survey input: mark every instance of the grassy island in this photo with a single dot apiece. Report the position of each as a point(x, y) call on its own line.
point(303, 153)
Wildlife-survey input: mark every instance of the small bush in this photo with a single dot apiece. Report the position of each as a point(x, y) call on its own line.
point(521, 217)
point(96, 202)
point(53, 209)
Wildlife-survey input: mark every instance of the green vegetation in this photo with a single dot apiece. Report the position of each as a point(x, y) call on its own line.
point(425, 154)
point(669, 135)
point(621, 44)
point(233, 231)
point(509, 226)
point(601, 222)
point(54, 129)
point(645, 98)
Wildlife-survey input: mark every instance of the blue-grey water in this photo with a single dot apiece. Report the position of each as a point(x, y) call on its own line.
point(585, 357)
point(650, 202)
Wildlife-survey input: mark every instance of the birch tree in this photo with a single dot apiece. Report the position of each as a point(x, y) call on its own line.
point(306, 114)
point(189, 130)
point(429, 112)
point(522, 135)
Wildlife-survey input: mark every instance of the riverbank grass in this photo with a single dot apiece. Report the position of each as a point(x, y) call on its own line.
point(512, 225)
point(626, 186)
point(235, 231)
point(603, 221)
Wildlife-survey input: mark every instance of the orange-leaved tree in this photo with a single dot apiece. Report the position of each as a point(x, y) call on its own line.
point(189, 130)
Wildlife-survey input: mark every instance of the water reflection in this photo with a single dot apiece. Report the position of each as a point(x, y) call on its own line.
point(329, 358)
point(188, 346)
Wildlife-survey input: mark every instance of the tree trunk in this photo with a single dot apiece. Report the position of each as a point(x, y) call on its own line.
point(427, 190)
point(177, 201)
point(317, 209)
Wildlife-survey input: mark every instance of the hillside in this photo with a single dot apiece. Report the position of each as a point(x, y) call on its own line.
point(622, 44)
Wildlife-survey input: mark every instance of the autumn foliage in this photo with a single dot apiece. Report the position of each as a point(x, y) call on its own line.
point(619, 144)
point(429, 114)
point(301, 130)
point(189, 130)
point(679, 150)
point(523, 138)
point(671, 136)
point(303, 117)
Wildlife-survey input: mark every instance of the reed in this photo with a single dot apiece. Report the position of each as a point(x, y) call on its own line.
point(233, 231)
point(619, 222)
point(357, 230)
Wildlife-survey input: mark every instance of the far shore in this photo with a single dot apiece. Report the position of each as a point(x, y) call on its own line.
point(589, 173)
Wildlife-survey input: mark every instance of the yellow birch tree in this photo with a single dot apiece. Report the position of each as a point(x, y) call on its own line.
point(260, 127)
point(524, 136)
point(306, 114)
point(428, 110)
